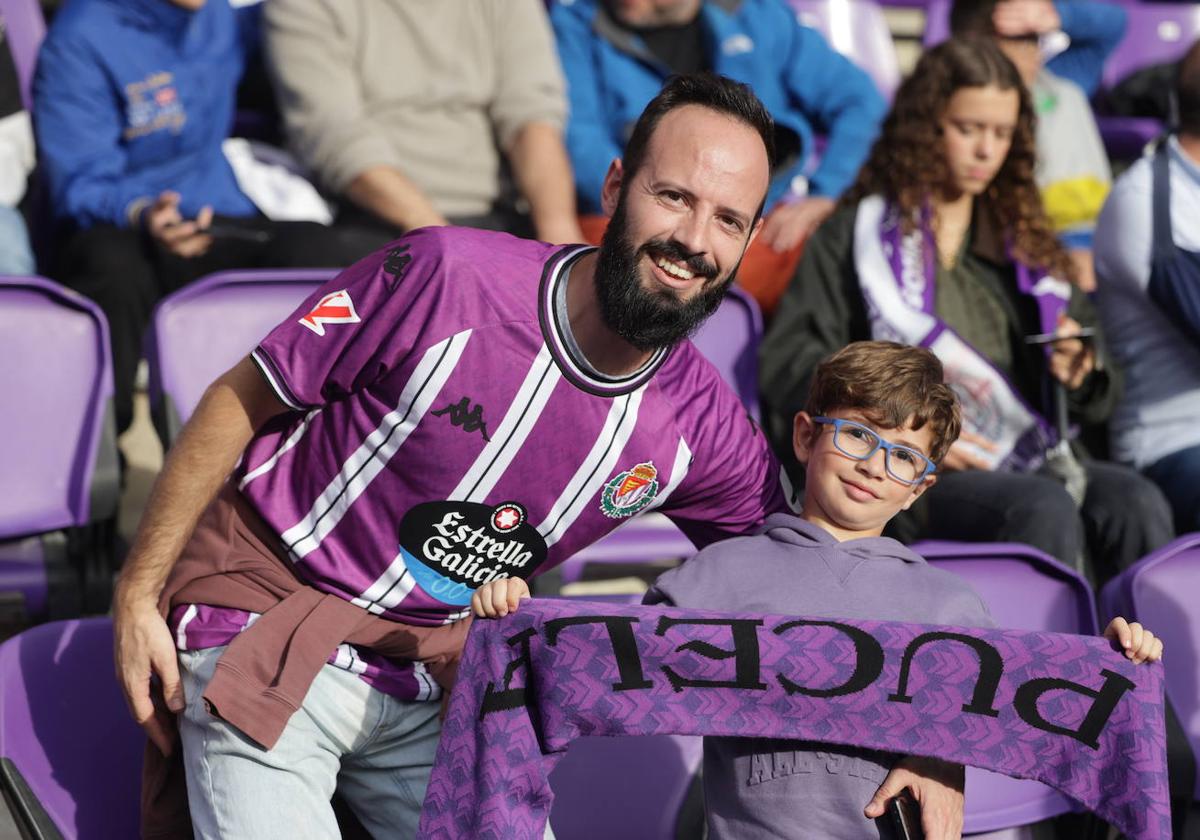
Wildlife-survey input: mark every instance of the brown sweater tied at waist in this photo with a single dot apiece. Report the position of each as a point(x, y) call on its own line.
point(234, 559)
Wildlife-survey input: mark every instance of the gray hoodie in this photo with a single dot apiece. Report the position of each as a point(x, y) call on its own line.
point(760, 788)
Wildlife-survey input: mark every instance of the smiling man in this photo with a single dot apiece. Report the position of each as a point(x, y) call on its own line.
point(459, 408)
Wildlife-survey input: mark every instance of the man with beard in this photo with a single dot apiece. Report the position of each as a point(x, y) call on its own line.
point(460, 407)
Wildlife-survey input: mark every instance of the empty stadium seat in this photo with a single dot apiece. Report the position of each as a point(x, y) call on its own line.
point(1026, 590)
point(202, 330)
point(858, 30)
point(1161, 592)
point(58, 456)
point(70, 755)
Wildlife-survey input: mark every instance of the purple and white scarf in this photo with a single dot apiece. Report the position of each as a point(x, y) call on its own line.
point(898, 277)
point(1066, 710)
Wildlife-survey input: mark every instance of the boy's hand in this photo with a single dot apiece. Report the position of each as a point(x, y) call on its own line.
point(499, 597)
point(936, 785)
point(1139, 644)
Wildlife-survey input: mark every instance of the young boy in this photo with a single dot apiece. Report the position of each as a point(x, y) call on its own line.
point(879, 419)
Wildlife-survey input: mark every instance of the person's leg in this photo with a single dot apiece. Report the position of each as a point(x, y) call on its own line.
point(1125, 517)
point(977, 506)
point(1178, 476)
point(384, 781)
point(16, 254)
point(236, 789)
point(112, 266)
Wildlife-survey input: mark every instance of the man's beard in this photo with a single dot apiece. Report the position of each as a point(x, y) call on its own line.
point(650, 319)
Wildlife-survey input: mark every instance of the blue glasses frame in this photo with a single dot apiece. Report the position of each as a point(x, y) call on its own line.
point(839, 424)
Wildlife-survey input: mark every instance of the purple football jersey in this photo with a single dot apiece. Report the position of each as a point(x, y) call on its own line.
point(443, 437)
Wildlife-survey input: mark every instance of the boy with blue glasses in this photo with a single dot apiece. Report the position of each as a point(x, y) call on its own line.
point(878, 420)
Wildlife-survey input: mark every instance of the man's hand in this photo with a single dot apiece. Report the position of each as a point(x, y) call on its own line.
point(1071, 361)
point(790, 224)
point(1017, 18)
point(142, 646)
point(164, 223)
point(938, 788)
point(961, 457)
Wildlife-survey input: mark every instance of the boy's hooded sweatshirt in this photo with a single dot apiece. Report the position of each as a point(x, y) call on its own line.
point(759, 788)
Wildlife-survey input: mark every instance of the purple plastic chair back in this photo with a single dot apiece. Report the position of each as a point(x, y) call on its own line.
point(729, 339)
point(205, 328)
point(937, 22)
point(858, 30)
point(1160, 590)
point(57, 449)
point(70, 755)
point(1155, 33)
point(25, 27)
point(1027, 590)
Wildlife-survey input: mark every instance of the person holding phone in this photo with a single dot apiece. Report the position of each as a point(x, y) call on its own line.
point(133, 101)
point(943, 242)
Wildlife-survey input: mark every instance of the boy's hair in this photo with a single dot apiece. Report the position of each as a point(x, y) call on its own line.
point(891, 384)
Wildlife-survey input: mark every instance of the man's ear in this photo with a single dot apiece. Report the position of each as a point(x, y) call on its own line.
point(754, 231)
point(918, 489)
point(804, 430)
point(610, 190)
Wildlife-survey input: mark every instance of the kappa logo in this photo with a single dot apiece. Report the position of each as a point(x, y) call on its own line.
point(461, 414)
point(630, 491)
point(335, 308)
point(397, 263)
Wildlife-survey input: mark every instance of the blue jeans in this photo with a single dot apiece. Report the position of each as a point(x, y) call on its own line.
point(1178, 476)
point(376, 751)
point(16, 256)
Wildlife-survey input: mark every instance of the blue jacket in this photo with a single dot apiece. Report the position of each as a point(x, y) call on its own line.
point(1095, 29)
point(133, 97)
point(803, 82)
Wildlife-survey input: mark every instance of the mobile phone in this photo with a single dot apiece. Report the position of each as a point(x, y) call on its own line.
point(1084, 334)
point(904, 814)
point(220, 230)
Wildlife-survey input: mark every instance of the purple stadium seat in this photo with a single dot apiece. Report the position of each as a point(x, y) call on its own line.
point(729, 339)
point(24, 28)
point(202, 330)
point(1027, 590)
point(1160, 590)
point(58, 458)
point(70, 755)
point(858, 30)
point(937, 22)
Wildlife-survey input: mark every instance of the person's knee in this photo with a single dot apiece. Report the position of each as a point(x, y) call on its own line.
point(1046, 517)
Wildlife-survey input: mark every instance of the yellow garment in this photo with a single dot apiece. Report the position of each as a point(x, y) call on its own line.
point(1074, 202)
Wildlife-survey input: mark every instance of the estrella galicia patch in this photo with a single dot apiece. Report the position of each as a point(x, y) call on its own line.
point(629, 491)
point(453, 548)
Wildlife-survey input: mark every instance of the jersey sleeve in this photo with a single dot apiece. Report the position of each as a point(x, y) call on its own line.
point(356, 328)
point(734, 480)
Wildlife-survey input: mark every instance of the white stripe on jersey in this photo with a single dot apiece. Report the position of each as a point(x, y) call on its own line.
point(265, 368)
point(389, 589)
point(596, 467)
point(373, 454)
point(181, 630)
point(679, 469)
point(268, 465)
point(427, 689)
point(509, 437)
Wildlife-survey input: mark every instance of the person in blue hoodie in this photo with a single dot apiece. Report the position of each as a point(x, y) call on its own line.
point(133, 100)
point(879, 418)
point(616, 54)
